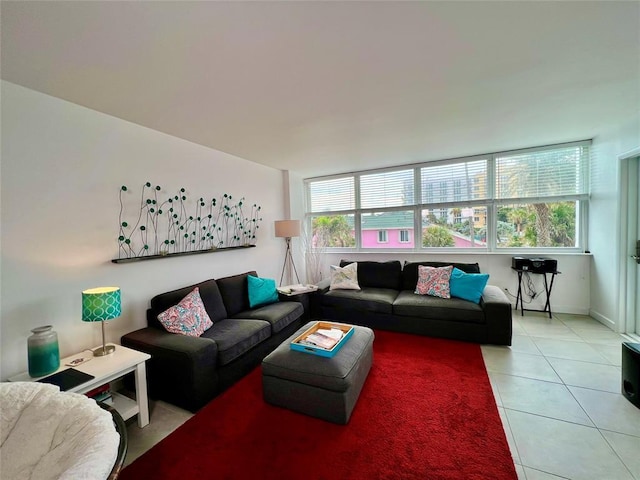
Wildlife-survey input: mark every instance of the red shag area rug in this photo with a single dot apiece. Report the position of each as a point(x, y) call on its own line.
point(426, 412)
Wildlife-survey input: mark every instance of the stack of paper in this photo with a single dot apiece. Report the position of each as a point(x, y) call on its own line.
point(324, 338)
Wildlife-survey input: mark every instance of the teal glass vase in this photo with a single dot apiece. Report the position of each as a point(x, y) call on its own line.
point(43, 352)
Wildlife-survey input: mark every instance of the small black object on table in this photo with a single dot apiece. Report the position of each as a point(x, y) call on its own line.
point(548, 286)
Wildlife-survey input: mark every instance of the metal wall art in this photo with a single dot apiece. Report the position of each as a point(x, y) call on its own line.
point(164, 225)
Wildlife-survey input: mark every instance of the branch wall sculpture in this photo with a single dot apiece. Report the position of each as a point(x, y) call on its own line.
point(164, 224)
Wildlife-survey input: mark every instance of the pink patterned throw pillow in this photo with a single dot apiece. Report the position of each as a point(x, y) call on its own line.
point(188, 317)
point(434, 281)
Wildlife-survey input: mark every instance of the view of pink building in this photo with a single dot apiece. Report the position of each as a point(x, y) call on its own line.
point(390, 238)
point(395, 230)
point(387, 230)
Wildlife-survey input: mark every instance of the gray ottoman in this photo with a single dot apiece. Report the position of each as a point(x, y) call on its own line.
point(326, 388)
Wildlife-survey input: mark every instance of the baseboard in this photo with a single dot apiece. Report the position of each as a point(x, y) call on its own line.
point(603, 319)
point(569, 309)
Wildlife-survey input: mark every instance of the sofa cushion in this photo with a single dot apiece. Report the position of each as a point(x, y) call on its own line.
point(370, 299)
point(408, 304)
point(378, 274)
point(279, 315)
point(209, 293)
point(262, 291)
point(236, 337)
point(468, 286)
point(234, 291)
point(188, 317)
point(410, 271)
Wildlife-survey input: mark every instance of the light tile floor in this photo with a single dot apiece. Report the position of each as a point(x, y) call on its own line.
point(558, 393)
point(557, 390)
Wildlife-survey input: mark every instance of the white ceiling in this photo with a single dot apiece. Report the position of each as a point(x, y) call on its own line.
point(328, 87)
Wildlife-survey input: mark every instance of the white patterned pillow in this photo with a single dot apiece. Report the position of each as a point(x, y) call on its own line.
point(344, 278)
point(188, 317)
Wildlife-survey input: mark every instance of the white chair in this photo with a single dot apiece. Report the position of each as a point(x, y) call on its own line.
point(49, 434)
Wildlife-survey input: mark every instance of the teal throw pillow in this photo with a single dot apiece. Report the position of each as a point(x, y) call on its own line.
point(262, 291)
point(468, 286)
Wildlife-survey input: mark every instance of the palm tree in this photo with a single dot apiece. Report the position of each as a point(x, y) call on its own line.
point(543, 224)
point(517, 216)
point(563, 215)
point(522, 175)
point(333, 231)
point(457, 214)
point(437, 236)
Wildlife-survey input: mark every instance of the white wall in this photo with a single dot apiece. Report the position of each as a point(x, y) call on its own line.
point(62, 167)
point(604, 220)
point(570, 292)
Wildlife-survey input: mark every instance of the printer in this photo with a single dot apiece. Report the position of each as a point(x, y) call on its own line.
point(534, 265)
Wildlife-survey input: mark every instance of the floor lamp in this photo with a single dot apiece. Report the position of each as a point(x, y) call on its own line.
point(287, 229)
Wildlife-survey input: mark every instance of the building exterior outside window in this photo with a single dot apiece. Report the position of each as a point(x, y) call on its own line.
point(523, 200)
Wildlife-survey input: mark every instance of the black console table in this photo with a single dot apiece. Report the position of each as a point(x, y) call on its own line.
point(547, 288)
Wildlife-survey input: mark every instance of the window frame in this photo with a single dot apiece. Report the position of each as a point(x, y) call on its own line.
point(491, 203)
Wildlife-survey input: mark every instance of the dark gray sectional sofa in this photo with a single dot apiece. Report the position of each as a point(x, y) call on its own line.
point(387, 301)
point(189, 371)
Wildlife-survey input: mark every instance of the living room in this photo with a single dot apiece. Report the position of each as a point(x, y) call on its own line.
point(97, 95)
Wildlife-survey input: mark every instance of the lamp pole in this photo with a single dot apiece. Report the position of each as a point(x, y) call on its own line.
point(288, 258)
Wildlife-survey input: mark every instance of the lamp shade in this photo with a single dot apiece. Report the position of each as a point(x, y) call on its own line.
point(100, 304)
point(287, 228)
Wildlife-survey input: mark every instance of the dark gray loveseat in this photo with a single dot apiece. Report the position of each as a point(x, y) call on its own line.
point(387, 301)
point(190, 371)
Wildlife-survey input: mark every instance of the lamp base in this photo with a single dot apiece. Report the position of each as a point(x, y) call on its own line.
point(104, 350)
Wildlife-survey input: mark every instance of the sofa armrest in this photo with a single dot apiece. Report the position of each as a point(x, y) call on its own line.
point(497, 312)
point(315, 299)
point(323, 285)
point(182, 369)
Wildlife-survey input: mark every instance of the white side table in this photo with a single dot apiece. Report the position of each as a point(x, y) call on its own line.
point(106, 369)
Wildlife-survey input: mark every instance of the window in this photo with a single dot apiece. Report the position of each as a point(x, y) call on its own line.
point(332, 195)
point(550, 224)
point(387, 189)
point(330, 229)
point(468, 181)
point(381, 229)
point(446, 231)
point(333, 231)
point(525, 199)
point(538, 197)
point(457, 190)
point(547, 173)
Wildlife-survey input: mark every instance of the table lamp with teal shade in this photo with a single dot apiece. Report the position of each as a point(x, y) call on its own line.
point(100, 304)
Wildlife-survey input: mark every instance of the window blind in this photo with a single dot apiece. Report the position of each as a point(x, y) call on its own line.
point(387, 189)
point(332, 195)
point(454, 182)
point(546, 173)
